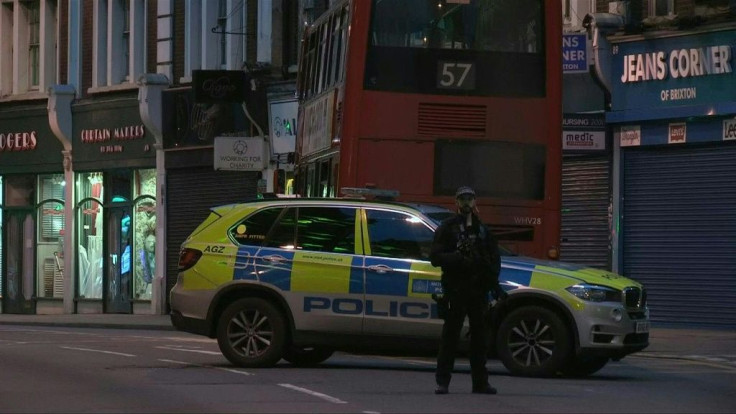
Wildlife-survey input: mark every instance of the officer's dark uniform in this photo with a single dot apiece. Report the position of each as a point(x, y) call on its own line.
point(470, 265)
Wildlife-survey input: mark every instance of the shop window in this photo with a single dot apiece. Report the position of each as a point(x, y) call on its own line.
point(661, 7)
point(90, 233)
point(31, 66)
point(50, 247)
point(119, 48)
point(144, 233)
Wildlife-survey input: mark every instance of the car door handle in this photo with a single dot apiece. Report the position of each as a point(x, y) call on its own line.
point(381, 268)
point(275, 258)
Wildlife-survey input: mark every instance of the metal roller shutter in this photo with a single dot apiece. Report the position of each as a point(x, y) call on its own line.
point(191, 193)
point(586, 190)
point(679, 231)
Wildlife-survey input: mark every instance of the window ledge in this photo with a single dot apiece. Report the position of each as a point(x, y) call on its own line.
point(126, 86)
point(27, 96)
point(185, 79)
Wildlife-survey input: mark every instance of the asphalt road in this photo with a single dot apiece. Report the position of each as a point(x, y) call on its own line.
point(57, 369)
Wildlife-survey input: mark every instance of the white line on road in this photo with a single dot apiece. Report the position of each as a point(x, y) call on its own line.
point(97, 350)
point(173, 348)
point(314, 393)
point(234, 371)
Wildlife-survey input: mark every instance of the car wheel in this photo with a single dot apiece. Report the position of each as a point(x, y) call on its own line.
point(584, 366)
point(251, 333)
point(533, 341)
point(307, 356)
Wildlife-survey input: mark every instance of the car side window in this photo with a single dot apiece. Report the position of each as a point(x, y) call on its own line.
point(253, 229)
point(398, 235)
point(326, 229)
point(282, 234)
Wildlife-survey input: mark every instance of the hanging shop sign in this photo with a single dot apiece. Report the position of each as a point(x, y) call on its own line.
point(27, 143)
point(675, 71)
point(239, 153)
point(110, 131)
point(574, 53)
point(583, 132)
point(282, 116)
point(217, 86)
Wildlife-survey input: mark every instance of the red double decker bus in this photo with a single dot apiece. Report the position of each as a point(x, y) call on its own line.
point(424, 96)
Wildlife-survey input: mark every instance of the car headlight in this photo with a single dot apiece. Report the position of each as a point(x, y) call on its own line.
point(593, 293)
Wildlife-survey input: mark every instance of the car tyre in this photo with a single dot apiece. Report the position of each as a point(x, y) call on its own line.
point(303, 357)
point(251, 333)
point(533, 341)
point(584, 366)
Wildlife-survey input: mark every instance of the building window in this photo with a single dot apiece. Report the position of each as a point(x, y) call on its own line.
point(119, 49)
point(125, 4)
point(28, 33)
point(34, 43)
point(214, 35)
point(222, 27)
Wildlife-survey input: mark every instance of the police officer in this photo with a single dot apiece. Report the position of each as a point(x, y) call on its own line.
point(468, 254)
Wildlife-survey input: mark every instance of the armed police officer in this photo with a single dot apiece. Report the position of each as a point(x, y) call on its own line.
point(468, 254)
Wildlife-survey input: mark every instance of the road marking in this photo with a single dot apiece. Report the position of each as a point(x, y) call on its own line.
point(234, 371)
point(173, 348)
point(97, 350)
point(314, 393)
point(688, 360)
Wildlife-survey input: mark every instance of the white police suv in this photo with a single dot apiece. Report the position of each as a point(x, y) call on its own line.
point(301, 278)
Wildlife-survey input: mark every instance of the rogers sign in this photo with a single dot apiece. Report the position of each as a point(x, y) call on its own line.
point(18, 141)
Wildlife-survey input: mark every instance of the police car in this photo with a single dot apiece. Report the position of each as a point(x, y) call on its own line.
point(298, 279)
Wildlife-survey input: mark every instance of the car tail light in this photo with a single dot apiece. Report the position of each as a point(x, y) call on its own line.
point(188, 258)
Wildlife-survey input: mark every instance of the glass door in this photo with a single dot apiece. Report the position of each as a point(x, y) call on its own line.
point(19, 244)
point(118, 268)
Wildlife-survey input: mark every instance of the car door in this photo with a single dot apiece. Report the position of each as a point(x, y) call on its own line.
point(399, 279)
point(310, 256)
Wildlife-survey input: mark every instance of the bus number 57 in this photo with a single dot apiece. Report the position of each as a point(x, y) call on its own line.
point(455, 75)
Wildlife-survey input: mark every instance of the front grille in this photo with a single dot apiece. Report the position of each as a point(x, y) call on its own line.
point(635, 298)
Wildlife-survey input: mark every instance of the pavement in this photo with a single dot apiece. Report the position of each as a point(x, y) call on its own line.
point(664, 341)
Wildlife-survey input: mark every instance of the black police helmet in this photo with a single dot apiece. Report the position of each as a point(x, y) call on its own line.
point(464, 190)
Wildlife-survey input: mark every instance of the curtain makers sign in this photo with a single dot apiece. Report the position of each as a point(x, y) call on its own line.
point(111, 131)
point(677, 71)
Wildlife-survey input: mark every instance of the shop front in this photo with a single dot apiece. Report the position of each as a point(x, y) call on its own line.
point(674, 110)
point(31, 211)
point(115, 206)
point(193, 184)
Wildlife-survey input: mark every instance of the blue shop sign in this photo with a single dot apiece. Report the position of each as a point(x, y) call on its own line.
point(671, 77)
point(574, 53)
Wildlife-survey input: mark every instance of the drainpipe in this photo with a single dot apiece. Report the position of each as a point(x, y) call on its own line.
point(59, 109)
point(150, 91)
point(597, 25)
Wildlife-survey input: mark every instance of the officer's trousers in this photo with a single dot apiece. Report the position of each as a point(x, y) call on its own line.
point(475, 309)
